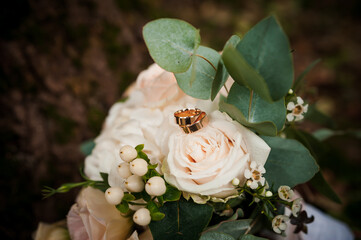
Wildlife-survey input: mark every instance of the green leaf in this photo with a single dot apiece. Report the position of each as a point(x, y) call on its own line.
point(123, 207)
point(222, 73)
point(320, 184)
point(232, 41)
point(105, 178)
point(256, 109)
point(197, 80)
point(317, 149)
point(297, 83)
point(183, 220)
point(139, 148)
point(265, 128)
point(219, 80)
point(152, 166)
point(243, 73)
point(87, 147)
point(251, 237)
point(146, 196)
point(152, 207)
point(266, 48)
point(289, 163)
point(157, 216)
point(216, 236)
point(238, 214)
point(171, 43)
point(234, 228)
point(128, 197)
point(171, 194)
point(315, 115)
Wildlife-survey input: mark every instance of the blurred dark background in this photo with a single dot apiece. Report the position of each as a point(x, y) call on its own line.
point(64, 63)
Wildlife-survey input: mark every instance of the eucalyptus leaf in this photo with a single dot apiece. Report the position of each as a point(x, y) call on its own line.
point(235, 228)
point(171, 43)
point(297, 83)
point(318, 150)
point(87, 147)
point(216, 236)
point(197, 80)
point(252, 237)
point(322, 186)
point(232, 41)
point(289, 163)
point(265, 128)
point(183, 220)
point(315, 115)
point(266, 48)
point(243, 73)
point(219, 80)
point(256, 109)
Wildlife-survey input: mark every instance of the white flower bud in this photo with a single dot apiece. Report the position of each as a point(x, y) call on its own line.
point(134, 183)
point(142, 217)
point(114, 195)
point(269, 194)
point(155, 186)
point(124, 170)
point(290, 91)
point(235, 181)
point(139, 167)
point(128, 153)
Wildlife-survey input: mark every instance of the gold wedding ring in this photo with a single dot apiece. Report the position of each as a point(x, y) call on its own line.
point(191, 119)
point(187, 116)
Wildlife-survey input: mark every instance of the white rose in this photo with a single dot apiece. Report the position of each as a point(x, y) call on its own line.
point(205, 162)
point(93, 218)
point(155, 87)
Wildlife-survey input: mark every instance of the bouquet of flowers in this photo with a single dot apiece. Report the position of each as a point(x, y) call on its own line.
point(204, 146)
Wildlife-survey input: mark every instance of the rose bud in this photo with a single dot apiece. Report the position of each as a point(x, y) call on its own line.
point(124, 170)
point(139, 167)
point(114, 195)
point(134, 183)
point(155, 186)
point(142, 217)
point(128, 153)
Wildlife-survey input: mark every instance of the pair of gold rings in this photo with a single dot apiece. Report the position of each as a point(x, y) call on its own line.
point(191, 119)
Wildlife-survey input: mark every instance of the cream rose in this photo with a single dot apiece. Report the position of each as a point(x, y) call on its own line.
point(205, 162)
point(156, 88)
point(92, 217)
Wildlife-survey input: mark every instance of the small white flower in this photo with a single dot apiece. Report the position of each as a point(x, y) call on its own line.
point(296, 206)
point(254, 174)
point(269, 194)
point(297, 110)
point(285, 193)
point(290, 91)
point(279, 223)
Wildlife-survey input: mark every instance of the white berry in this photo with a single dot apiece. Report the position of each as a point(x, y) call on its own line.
point(142, 217)
point(124, 170)
point(155, 186)
point(134, 183)
point(235, 181)
point(114, 195)
point(139, 167)
point(128, 153)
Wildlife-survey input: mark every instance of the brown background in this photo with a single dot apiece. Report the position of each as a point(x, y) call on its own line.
point(64, 63)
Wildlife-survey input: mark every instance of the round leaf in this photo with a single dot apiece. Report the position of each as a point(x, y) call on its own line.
point(256, 109)
point(266, 48)
point(171, 43)
point(197, 80)
point(289, 163)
